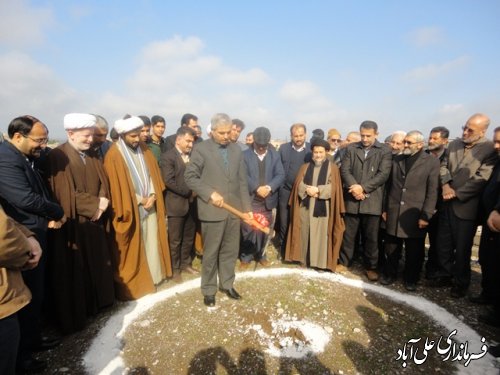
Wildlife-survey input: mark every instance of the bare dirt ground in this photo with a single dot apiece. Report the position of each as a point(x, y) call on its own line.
point(182, 336)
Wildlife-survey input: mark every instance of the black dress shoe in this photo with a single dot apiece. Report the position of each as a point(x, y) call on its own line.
point(46, 343)
point(439, 282)
point(494, 351)
point(411, 287)
point(209, 301)
point(481, 299)
point(490, 319)
point(458, 292)
point(30, 366)
point(231, 293)
point(387, 280)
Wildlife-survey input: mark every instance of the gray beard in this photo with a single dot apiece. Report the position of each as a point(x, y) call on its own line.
point(318, 163)
point(408, 152)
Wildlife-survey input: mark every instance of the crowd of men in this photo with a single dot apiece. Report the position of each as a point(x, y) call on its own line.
point(95, 220)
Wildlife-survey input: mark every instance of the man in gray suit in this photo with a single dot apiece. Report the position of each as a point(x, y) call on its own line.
point(463, 177)
point(217, 174)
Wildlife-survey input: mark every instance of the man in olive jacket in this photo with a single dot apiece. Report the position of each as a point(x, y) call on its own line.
point(365, 169)
point(19, 250)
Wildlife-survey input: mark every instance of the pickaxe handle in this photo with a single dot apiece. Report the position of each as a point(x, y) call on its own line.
point(254, 223)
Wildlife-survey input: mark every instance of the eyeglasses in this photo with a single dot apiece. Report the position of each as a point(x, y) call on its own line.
point(335, 140)
point(41, 141)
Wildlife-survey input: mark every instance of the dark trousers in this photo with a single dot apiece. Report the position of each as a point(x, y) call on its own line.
point(30, 315)
point(181, 232)
point(432, 264)
point(489, 259)
point(368, 226)
point(414, 257)
point(221, 242)
point(455, 241)
point(253, 241)
point(283, 215)
point(9, 343)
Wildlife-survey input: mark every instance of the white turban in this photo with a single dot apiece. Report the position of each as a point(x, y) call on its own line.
point(79, 121)
point(129, 124)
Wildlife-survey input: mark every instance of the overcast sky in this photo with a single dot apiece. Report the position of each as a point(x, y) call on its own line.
point(407, 65)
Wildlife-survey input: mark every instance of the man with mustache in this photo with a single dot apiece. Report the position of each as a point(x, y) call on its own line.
point(141, 252)
point(463, 177)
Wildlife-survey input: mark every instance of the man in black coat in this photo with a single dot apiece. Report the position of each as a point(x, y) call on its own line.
point(365, 169)
point(436, 146)
point(411, 200)
point(25, 198)
point(489, 254)
point(179, 203)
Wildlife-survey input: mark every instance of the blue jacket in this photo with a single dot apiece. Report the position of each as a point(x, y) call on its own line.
point(275, 175)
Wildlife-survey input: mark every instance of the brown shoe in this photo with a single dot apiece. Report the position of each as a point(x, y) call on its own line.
point(372, 275)
point(264, 263)
point(191, 270)
point(341, 268)
point(244, 266)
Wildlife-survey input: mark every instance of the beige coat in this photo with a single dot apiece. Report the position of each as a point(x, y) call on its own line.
point(14, 253)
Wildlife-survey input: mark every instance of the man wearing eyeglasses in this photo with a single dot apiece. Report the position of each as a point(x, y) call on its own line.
point(334, 139)
point(409, 205)
point(25, 198)
point(467, 170)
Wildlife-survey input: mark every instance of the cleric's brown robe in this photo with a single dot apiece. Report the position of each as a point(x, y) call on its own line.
point(293, 251)
point(132, 276)
point(79, 262)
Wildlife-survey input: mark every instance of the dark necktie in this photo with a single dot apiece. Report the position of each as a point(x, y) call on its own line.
point(223, 152)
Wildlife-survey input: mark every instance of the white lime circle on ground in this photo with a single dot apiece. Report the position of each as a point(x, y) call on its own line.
point(104, 354)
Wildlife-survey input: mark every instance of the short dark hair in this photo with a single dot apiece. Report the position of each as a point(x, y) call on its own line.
point(318, 133)
point(183, 130)
point(156, 119)
point(238, 123)
point(113, 134)
point(145, 120)
point(22, 125)
point(188, 117)
point(443, 132)
point(369, 125)
point(497, 129)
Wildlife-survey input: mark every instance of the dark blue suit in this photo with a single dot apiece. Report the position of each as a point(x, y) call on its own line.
point(253, 244)
point(25, 198)
point(274, 175)
point(288, 158)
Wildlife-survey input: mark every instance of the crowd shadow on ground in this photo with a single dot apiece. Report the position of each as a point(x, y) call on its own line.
point(251, 362)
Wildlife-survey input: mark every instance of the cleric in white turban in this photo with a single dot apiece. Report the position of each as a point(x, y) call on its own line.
point(79, 121)
point(126, 125)
point(138, 213)
point(81, 275)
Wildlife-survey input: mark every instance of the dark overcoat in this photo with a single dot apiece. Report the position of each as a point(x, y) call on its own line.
point(411, 196)
point(371, 173)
